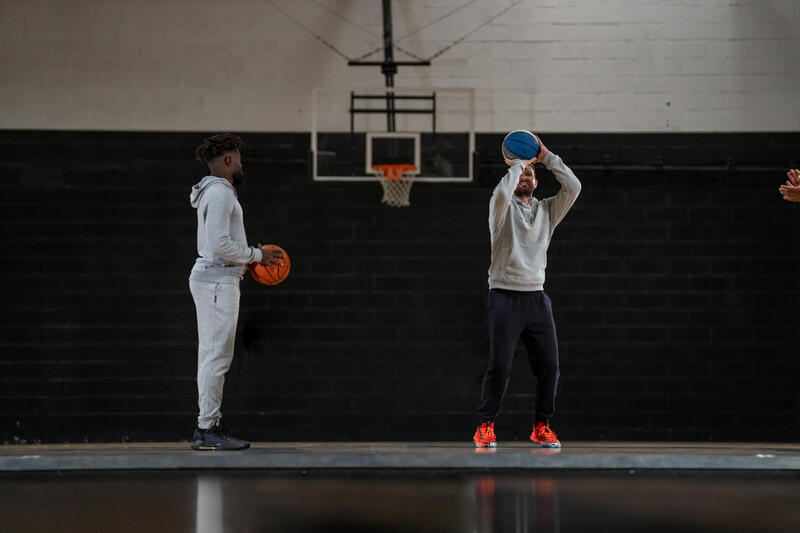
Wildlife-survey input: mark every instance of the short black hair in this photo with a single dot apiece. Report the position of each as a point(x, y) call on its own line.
point(218, 144)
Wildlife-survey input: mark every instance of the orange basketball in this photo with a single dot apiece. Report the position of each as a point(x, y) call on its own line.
point(272, 274)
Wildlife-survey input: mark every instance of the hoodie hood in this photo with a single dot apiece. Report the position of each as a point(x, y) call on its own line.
point(199, 188)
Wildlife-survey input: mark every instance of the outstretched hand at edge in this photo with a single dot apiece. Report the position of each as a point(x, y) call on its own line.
point(791, 191)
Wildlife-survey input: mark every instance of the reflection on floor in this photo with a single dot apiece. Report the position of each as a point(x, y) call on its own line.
point(388, 501)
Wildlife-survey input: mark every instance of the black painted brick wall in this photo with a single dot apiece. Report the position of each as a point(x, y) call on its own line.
point(675, 292)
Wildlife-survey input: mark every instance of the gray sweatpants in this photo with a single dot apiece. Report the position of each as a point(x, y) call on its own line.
point(217, 307)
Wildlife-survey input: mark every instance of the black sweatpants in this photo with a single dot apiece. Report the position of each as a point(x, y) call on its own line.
point(514, 315)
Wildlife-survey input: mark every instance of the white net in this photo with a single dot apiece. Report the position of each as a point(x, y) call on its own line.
point(396, 193)
point(396, 184)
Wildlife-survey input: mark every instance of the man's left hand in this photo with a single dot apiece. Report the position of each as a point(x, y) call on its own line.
point(543, 151)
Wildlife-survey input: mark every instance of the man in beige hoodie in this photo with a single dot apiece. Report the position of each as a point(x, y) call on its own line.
point(521, 228)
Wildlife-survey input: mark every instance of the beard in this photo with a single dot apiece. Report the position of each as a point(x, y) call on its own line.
point(524, 189)
point(238, 179)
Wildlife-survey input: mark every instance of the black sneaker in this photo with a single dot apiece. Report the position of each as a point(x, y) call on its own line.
point(217, 438)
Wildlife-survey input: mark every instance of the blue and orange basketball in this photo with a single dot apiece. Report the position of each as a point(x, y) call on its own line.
point(520, 144)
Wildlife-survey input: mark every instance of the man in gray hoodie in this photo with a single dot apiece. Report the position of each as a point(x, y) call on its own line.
point(520, 227)
point(214, 281)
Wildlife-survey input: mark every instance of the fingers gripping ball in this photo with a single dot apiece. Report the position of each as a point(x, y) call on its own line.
point(272, 274)
point(520, 144)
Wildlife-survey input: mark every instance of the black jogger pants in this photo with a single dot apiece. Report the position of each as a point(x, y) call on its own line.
point(529, 316)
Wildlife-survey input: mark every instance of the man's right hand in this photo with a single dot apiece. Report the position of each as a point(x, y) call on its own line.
point(270, 256)
point(525, 162)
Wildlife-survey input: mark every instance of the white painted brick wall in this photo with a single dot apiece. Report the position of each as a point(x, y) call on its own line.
point(571, 65)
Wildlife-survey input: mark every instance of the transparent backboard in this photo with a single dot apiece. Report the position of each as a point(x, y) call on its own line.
point(392, 148)
point(434, 129)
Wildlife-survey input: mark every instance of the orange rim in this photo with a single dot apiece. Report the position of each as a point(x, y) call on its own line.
point(394, 171)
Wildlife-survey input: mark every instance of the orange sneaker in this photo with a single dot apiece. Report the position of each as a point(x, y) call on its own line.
point(484, 436)
point(544, 436)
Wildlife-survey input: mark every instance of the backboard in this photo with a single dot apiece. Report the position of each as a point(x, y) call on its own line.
point(433, 129)
point(392, 148)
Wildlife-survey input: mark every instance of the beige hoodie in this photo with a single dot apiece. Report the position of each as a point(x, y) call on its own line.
point(521, 233)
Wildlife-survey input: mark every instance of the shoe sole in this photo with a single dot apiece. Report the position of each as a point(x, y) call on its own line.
point(547, 444)
point(490, 445)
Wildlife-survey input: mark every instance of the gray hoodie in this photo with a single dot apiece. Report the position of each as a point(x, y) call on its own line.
point(221, 241)
point(521, 233)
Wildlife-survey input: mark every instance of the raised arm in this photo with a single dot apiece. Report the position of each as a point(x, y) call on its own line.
point(504, 191)
point(559, 204)
point(218, 219)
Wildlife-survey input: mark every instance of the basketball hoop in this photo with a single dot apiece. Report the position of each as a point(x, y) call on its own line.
point(396, 180)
